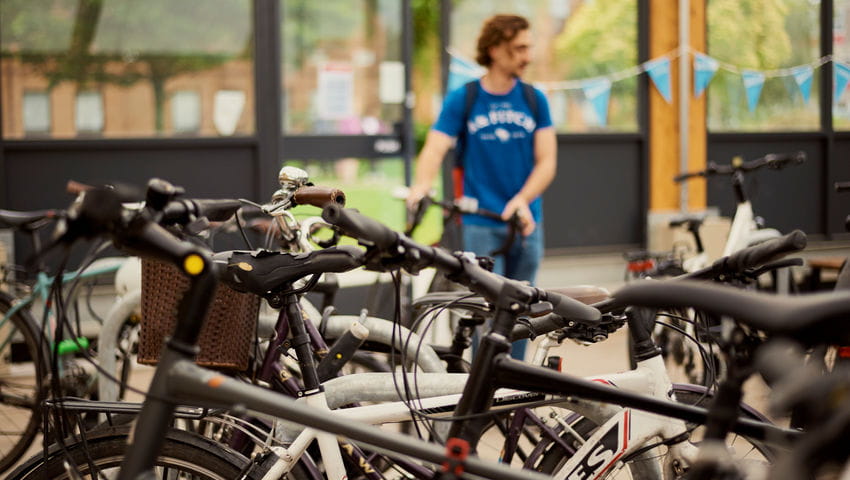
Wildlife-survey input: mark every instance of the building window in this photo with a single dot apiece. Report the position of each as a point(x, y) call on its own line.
point(185, 111)
point(341, 62)
point(36, 113)
point(88, 112)
point(758, 51)
point(573, 43)
point(136, 54)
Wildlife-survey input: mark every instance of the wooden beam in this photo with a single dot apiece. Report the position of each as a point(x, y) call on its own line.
point(664, 117)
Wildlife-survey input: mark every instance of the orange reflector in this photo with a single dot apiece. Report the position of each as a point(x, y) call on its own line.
point(215, 381)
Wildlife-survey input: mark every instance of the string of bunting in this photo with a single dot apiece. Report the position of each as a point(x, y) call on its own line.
point(597, 90)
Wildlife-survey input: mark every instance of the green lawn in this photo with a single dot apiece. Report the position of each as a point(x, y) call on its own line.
point(371, 192)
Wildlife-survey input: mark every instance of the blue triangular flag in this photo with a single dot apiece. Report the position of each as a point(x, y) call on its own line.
point(842, 76)
point(753, 81)
point(659, 72)
point(598, 93)
point(704, 68)
point(803, 77)
point(462, 71)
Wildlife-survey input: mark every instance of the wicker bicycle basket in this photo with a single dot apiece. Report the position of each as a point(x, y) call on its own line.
point(228, 331)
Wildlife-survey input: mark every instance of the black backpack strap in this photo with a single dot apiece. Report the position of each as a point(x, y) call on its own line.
point(470, 94)
point(530, 98)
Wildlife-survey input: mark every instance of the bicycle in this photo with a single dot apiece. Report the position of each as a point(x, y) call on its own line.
point(193, 383)
point(24, 382)
point(746, 230)
point(805, 321)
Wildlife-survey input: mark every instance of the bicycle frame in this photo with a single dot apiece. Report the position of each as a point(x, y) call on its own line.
point(41, 288)
point(40, 291)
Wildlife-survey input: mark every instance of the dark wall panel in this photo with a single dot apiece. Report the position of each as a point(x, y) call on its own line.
point(596, 198)
point(786, 199)
point(36, 178)
point(839, 203)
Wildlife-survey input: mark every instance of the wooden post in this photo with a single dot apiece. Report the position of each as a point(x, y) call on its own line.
point(663, 116)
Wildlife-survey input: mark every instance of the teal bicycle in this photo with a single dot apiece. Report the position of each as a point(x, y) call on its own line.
point(25, 343)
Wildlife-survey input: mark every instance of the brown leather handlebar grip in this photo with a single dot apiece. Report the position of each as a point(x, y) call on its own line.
point(74, 187)
point(319, 196)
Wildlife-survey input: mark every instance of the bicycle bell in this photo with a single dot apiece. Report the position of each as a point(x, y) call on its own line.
point(291, 178)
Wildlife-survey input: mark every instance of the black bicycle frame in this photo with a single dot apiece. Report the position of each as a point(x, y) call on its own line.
point(158, 409)
point(493, 368)
point(272, 372)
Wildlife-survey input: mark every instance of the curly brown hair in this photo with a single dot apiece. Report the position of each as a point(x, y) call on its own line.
point(498, 29)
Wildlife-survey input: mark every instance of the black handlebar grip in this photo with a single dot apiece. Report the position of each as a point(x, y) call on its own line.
point(762, 253)
point(216, 210)
point(842, 187)
point(572, 309)
point(359, 226)
point(183, 211)
point(148, 239)
point(779, 160)
point(538, 326)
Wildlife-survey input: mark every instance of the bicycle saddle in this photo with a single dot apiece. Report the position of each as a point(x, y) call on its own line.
point(263, 271)
point(25, 220)
point(811, 319)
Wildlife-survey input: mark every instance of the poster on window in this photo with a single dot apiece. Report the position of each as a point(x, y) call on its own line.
point(335, 92)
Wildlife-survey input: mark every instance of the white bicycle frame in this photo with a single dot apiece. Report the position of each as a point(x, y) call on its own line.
point(623, 431)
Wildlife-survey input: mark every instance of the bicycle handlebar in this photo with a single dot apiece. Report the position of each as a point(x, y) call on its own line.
point(772, 160)
point(318, 196)
point(361, 227)
point(394, 250)
point(842, 187)
point(215, 210)
point(99, 211)
point(760, 254)
point(464, 205)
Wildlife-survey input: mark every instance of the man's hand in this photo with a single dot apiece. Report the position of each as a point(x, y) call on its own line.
point(520, 206)
point(415, 195)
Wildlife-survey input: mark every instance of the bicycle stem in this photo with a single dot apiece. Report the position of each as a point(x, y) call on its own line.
point(158, 410)
point(478, 392)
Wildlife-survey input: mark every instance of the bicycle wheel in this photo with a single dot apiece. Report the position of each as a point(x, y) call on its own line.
point(183, 455)
point(553, 457)
point(23, 382)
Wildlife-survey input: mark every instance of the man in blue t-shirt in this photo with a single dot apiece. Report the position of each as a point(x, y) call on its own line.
point(509, 151)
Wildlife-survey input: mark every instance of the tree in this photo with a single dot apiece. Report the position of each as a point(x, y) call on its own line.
point(122, 42)
point(599, 38)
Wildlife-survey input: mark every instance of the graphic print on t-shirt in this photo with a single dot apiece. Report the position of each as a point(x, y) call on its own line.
point(503, 117)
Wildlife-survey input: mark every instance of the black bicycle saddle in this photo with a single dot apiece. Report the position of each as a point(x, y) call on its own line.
point(263, 271)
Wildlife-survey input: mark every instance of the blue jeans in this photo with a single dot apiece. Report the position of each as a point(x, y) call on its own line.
point(520, 263)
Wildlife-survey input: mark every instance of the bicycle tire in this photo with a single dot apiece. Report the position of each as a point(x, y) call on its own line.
point(553, 458)
point(21, 392)
point(105, 448)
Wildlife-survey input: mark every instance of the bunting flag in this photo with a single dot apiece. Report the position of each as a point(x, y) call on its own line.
point(842, 76)
point(753, 81)
point(803, 76)
point(598, 92)
point(461, 72)
point(659, 72)
point(704, 69)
